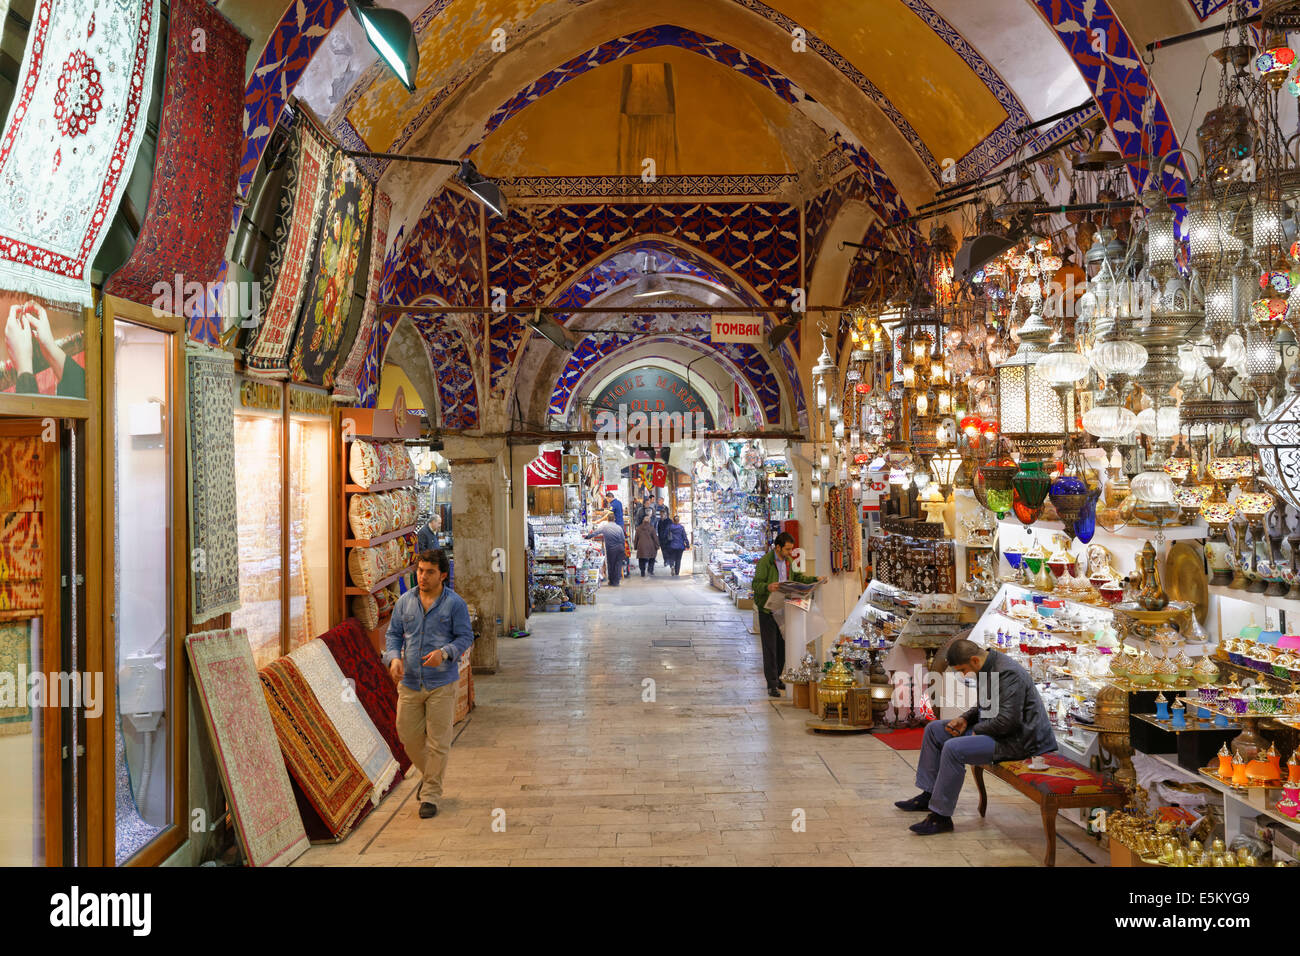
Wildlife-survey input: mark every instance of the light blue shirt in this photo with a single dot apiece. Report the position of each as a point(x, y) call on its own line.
point(414, 633)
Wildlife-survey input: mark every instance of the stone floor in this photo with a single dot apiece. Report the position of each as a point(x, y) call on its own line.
point(562, 762)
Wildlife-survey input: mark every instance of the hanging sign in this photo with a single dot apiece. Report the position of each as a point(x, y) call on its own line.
point(627, 403)
point(747, 329)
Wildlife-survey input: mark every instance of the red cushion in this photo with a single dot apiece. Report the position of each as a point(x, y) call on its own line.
point(1062, 777)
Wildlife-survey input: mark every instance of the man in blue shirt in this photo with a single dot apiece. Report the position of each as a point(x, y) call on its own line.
point(427, 636)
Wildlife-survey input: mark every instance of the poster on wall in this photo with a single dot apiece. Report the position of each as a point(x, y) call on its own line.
point(42, 348)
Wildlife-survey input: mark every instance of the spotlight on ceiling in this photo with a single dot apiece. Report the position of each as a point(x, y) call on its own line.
point(553, 331)
point(976, 252)
point(391, 34)
point(651, 283)
point(782, 330)
point(488, 192)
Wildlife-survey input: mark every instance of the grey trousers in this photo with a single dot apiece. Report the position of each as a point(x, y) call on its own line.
point(944, 759)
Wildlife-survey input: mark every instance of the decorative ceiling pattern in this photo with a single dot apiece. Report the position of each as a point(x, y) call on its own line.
point(453, 367)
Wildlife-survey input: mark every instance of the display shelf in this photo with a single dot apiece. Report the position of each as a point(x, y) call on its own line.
point(381, 486)
point(1253, 801)
point(1258, 600)
point(1193, 726)
point(1194, 531)
point(371, 542)
point(351, 590)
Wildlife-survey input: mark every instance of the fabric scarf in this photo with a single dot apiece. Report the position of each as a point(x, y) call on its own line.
point(334, 268)
point(247, 752)
point(297, 223)
point(360, 662)
point(196, 164)
point(71, 139)
point(213, 505)
point(315, 754)
point(349, 372)
point(339, 701)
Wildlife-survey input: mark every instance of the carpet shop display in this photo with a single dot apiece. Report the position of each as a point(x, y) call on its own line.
point(361, 664)
point(213, 505)
point(183, 233)
point(339, 701)
point(246, 747)
point(298, 220)
point(328, 296)
point(70, 140)
point(318, 759)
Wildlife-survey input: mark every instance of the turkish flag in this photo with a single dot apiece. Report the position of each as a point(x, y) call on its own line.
point(659, 476)
point(544, 470)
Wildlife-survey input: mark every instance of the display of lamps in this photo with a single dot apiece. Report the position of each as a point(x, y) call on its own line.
point(944, 467)
point(823, 373)
point(1108, 419)
point(1160, 424)
point(995, 482)
point(1033, 415)
point(1162, 242)
point(1062, 365)
point(1277, 440)
point(1275, 62)
point(1031, 485)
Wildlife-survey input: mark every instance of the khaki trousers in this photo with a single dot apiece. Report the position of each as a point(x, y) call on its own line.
point(424, 722)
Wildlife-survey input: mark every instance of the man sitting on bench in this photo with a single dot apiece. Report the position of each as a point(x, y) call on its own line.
point(1015, 727)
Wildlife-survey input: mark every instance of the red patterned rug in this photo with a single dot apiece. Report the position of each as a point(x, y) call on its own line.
point(316, 755)
point(375, 688)
point(185, 224)
point(903, 739)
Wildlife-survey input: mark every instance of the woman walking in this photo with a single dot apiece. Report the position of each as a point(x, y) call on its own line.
point(646, 543)
point(677, 545)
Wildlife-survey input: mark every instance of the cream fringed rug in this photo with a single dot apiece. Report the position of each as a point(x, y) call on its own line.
point(247, 749)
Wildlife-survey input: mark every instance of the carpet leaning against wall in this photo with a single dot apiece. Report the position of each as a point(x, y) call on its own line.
point(213, 505)
point(246, 747)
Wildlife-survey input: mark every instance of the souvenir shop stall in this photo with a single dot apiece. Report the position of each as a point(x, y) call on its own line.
point(565, 569)
point(433, 484)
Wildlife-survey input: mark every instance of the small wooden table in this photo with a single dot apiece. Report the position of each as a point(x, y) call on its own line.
point(1062, 785)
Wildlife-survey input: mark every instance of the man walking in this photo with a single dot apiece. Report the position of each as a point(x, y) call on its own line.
point(1013, 727)
point(772, 569)
point(427, 636)
point(615, 543)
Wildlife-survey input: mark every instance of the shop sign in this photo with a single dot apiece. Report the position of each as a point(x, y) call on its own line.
point(307, 401)
point(747, 329)
point(628, 402)
point(261, 395)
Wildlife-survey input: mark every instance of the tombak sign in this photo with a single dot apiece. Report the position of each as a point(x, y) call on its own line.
point(648, 389)
point(737, 328)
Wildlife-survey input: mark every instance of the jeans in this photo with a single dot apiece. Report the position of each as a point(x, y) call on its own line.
point(769, 634)
point(944, 759)
point(614, 562)
point(673, 559)
point(647, 563)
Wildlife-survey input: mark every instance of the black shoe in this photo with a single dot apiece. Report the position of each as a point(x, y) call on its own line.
point(773, 692)
point(932, 824)
point(781, 684)
point(920, 802)
point(428, 810)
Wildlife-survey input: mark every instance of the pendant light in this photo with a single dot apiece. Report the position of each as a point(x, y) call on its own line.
point(393, 38)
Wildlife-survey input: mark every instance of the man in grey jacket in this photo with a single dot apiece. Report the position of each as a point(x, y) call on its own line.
point(1014, 726)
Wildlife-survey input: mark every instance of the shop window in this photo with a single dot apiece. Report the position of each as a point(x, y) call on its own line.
point(259, 465)
point(143, 584)
point(309, 527)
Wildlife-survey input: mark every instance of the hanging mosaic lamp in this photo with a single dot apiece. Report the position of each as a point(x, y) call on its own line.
point(1031, 486)
point(996, 480)
point(1275, 62)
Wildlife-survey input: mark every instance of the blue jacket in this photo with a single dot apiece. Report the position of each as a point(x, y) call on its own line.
point(616, 506)
point(413, 635)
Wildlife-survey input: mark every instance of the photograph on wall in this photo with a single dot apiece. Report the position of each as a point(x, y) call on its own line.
point(42, 347)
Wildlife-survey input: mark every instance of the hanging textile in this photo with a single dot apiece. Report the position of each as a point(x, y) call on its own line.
point(328, 295)
point(349, 370)
point(297, 222)
point(836, 518)
point(213, 507)
point(195, 168)
point(70, 140)
point(16, 659)
point(246, 748)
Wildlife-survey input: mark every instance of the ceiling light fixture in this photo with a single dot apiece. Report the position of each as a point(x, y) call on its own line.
point(391, 34)
point(486, 190)
point(552, 331)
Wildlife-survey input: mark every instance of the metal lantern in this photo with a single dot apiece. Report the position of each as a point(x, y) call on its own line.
point(824, 373)
point(1266, 223)
point(1034, 417)
point(1207, 239)
point(1277, 439)
point(1162, 243)
point(944, 467)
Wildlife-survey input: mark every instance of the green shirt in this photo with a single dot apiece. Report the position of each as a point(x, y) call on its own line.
point(765, 573)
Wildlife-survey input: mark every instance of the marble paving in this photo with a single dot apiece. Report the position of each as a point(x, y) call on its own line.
point(572, 758)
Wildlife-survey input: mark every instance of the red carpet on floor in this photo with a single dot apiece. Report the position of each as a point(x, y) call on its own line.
point(909, 739)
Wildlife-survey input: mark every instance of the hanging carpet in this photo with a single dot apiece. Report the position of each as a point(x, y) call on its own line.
point(349, 370)
point(328, 296)
point(76, 122)
point(297, 223)
point(315, 753)
point(338, 698)
point(213, 507)
point(247, 750)
point(360, 662)
point(195, 168)
point(15, 659)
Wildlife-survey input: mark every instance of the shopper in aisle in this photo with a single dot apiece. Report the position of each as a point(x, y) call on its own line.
point(427, 539)
point(678, 543)
point(772, 569)
point(646, 542)
point(1014, 726)
point(663, 523)
point(615, 542)
point(428, 634)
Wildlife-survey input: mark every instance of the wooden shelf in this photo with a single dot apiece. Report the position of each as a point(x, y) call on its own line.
point(355, 591)
point(371, 542)
point(381, 486)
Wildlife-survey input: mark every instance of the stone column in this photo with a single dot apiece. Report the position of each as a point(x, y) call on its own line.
point(516, 562)
point(479, 526)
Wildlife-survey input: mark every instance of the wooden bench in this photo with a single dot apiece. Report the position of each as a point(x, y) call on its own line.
point(1062, 785)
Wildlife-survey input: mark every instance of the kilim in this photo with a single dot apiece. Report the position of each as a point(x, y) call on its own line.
point(297, 224)
point(196, 164)
point(314, 752)
point(360, 662)
point(15, 653)
point(21, 483)
point(328, 296)
point(349, 370)
point(76, 119)
point(214, 538)
point(338, 698)
point(247, 751)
